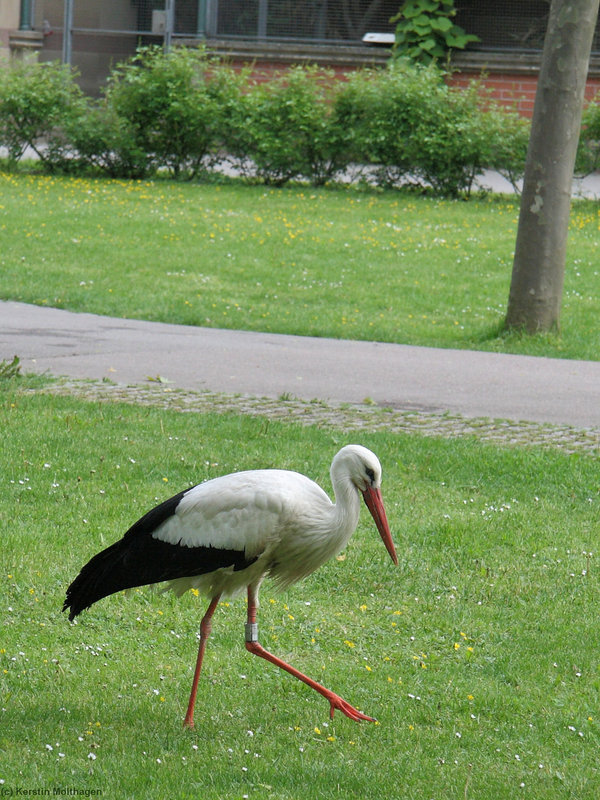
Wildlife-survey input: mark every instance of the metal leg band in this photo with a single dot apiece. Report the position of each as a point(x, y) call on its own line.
point(252, 632)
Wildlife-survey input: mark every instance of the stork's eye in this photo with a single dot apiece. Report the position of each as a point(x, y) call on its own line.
point(370, 474)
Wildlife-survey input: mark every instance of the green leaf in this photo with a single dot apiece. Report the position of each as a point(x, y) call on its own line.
point(441, 23)
point(460, 40)
point(415, 8)
point(422, 21)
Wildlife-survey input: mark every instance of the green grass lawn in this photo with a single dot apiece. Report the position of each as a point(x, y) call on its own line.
point(478, 654)
point(331, 262)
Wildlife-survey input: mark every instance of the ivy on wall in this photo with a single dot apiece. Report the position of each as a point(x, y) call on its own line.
point(426, 32)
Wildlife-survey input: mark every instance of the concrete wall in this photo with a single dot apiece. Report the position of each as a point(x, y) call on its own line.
point(9, 20)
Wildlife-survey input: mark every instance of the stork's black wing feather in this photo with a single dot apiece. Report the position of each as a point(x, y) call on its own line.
point(139, 559)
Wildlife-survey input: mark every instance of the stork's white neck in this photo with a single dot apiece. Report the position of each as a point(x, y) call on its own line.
point(346, 509)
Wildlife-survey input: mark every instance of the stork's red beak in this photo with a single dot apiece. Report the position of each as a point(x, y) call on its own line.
point(374, 503)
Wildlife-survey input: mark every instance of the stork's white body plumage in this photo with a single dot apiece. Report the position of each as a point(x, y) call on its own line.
point(224, 536)
point(283, 519)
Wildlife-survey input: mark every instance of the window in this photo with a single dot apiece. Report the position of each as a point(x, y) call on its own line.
point(315, 20)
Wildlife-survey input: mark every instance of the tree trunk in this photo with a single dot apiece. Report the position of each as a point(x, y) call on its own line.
point(540, 251)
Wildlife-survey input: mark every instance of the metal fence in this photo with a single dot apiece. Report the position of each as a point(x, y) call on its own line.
point(335, 21)
point(506, 25)
point(500, 24)
point(95, 34)
point(313, 20)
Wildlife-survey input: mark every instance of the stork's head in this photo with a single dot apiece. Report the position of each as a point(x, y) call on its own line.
point(364, 470)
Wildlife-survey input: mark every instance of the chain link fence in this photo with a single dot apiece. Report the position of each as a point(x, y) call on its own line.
point(93, 35)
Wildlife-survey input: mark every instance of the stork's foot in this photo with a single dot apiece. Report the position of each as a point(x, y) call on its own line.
point(337, 702)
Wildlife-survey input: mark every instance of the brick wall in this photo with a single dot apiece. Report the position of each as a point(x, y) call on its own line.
point(514, 90)
point(511, 77)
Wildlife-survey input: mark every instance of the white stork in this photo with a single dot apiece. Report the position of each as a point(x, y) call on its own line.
point(227, 534)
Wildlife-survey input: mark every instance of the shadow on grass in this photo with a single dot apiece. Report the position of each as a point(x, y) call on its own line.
point(498, 338)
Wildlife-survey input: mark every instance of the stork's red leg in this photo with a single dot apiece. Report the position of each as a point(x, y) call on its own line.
point(205, 629)
point(253, 646)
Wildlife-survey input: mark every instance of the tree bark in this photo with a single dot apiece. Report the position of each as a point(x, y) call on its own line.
point(540, 251)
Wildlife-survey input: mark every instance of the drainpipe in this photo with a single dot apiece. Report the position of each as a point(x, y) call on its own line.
point(201, 24)
point(263, 9)
point(208, 11)
point(67, 34)
point(25, 21)
point(25, 42)
point(170, 25)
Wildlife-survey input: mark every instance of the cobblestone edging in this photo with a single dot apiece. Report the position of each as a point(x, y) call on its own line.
point(342, 416)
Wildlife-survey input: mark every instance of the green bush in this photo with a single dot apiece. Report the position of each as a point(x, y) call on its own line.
point(181, 112)
point(373, 107)
point(462, 132)
point(233, 122)
point(293, 129)
point(168, 106)
point(588, 150)
point(101, 139)
point(37, 100)
point(448, 140)
point(389, 112)
point(506, 138)
point(413, 127)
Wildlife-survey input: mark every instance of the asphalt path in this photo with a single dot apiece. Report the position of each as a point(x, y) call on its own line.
point(402, 377)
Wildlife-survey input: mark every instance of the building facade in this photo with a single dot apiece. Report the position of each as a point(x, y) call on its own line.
point(94, 35)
